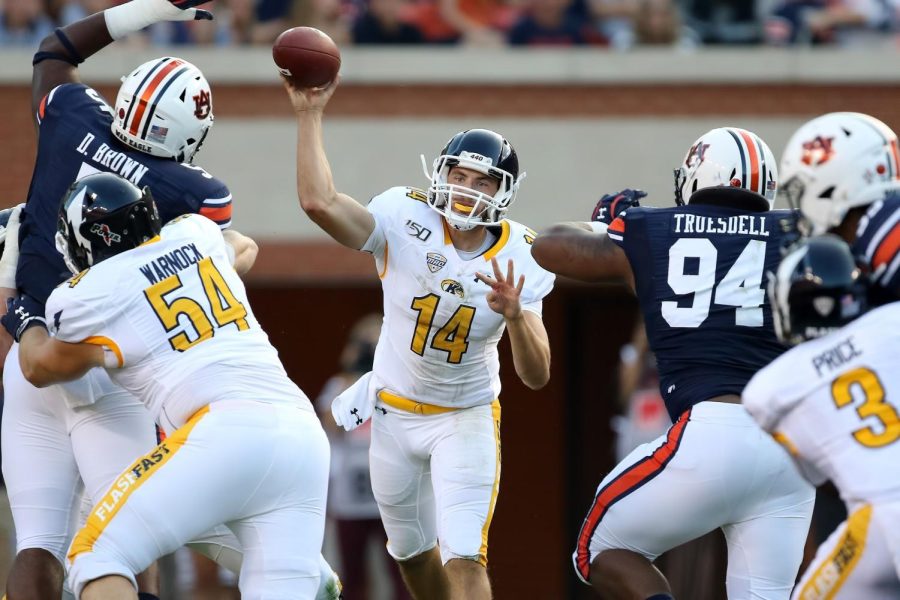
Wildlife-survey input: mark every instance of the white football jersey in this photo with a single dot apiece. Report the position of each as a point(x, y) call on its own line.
point(834, 402)
point(439, 341)
point(175, 315)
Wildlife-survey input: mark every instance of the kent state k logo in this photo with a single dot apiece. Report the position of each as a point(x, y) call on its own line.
point(817, 151)
point(696, 155)
point(202, 105)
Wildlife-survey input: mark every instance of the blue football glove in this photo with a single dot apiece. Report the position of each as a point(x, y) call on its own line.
point(21, 313)
point(611, 206)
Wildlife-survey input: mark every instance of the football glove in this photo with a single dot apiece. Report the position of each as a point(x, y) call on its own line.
point(133, 16)
point(9, 243)
point(22, 313)
point(611, 206)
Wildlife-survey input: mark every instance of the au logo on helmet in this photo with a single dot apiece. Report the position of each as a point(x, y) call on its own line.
point(202, 104)
point(103, 230)
point(817, 151)
point(696, 154)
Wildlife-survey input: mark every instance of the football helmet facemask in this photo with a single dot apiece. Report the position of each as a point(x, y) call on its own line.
point(837, 162)
point(483, 151)
point(103, 215)
point(164, 108)
point(817, 289)
point(731, 163)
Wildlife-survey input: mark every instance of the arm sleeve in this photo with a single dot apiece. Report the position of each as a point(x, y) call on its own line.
point(218, 210)
point(538, 284)
point(53, 102)
point(380, 207)
point(76, 318)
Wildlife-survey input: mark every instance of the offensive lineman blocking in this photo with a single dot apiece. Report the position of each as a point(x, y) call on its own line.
point(166, 314)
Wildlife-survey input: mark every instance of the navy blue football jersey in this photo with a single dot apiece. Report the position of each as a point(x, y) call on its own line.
point(700, 277)
point(75, 140)
point(877, 246)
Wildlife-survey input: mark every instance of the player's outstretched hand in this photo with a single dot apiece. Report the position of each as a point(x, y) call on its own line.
point(187, 12)
point(504, 295)
point(611, 206)
point(310, 99)
point(127, 18)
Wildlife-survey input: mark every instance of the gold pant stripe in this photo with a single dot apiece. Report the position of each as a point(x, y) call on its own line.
point(482, 552)
point(419, 408)
point(125, 485)
point(828, 578)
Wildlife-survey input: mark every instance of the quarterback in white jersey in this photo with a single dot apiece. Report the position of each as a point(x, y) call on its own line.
point(166, 313)
point(832, 402)
point(435, 452)
point(439, 340)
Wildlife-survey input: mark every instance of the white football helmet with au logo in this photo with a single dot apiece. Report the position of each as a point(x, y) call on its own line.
point(164, 108)
point(728, 162)
point(837, 162)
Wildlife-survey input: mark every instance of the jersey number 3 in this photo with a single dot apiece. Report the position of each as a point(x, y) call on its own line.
point(225, 307)
point(692, 270)
point(873, 406)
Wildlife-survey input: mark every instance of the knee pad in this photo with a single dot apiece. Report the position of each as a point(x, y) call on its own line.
point(406, 552)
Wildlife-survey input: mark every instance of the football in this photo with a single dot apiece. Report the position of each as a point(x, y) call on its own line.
point(307, 57)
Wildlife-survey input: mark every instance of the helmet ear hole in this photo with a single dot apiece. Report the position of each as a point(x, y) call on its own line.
point(827, 193)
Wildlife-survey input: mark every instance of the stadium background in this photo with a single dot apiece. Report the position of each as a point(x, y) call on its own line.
point(584, 122)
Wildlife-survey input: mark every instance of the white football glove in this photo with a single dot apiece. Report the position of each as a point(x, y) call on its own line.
point(137, 14)
point(9, 236)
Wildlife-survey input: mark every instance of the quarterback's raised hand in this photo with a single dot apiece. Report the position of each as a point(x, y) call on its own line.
point(504, 295)
point(611, 206)
point(309, 100)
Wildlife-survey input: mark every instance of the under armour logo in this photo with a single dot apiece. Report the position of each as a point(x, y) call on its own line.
point(383, 412)
point(355, 413)
point(22, 313)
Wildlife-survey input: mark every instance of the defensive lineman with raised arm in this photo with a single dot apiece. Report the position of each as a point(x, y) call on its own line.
point(91, 427)
point(832, 402)
point(88, 430)
point(165, 313)
point(435, 454)
point(697, 270)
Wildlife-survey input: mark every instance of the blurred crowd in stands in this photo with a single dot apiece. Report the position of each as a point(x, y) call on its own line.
point(618, 24)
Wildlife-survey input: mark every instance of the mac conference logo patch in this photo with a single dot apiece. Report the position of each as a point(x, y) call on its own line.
point(435, 261)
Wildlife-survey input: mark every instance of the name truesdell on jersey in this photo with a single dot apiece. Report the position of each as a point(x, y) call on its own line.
point(171, 263)
point(738, 224)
